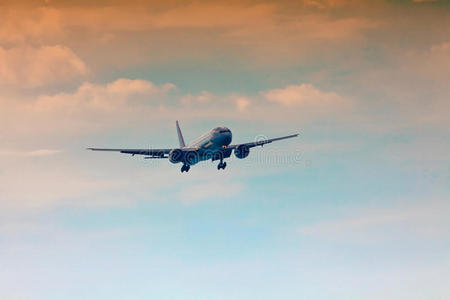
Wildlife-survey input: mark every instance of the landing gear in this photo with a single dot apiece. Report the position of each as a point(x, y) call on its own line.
point(221, 165)
point(185, 168)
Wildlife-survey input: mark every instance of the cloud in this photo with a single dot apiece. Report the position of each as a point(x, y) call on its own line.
point(262, 33)
point(203, 97)
point(38, 181)
point(424, 1)
point(113, 96)
point(414, 84)
point(430, 65)
point(46, 183)
point(34, 67)
point(135, 103)
point(242, 103)
point(303, 95)
point(34, 153)
point(122, 103)
point(414, 68)
point(207, 101)
point(327, 4)
point(206, 15)
point(424, 220)
point(30, 183)
point(438, 60)
point(237, 18)
point(21, 24)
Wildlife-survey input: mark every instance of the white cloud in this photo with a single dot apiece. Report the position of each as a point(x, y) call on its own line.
point(303, 95)
point(80, 178)
point(34, 67)
point(30, 185)
point(427, 219)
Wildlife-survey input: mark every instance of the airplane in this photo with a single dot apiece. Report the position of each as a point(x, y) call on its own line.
point(214, 145)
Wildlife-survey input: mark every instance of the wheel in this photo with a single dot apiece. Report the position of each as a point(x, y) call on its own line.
point(221, 165)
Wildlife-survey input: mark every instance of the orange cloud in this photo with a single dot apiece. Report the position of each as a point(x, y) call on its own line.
point(261, 33)
point(214, 15)
point(34, 153)
point(242, 103)
point(21, 24)
point(303, 95)
point(439, 59)
point(322, 4)
point(34, 67)
point(110, 97)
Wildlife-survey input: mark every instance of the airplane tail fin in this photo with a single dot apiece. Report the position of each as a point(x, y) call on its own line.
point(180, 136)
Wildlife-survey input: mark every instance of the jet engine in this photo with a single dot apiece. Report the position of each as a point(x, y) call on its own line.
point(242, 151)
point(176, 156)
point(191, 157)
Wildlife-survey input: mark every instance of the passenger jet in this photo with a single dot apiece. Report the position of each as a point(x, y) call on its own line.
point(214, 145)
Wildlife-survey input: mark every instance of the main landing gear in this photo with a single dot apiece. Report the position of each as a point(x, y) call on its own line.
point(185, 168)
point(221, 165)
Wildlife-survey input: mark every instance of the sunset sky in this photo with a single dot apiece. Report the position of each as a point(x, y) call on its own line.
point(356, 208)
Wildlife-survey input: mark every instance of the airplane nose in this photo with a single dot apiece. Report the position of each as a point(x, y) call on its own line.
point(227, 139)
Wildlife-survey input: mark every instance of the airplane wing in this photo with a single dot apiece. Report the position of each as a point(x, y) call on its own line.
point(151, 153)
point(263, 142)
point(163, 153)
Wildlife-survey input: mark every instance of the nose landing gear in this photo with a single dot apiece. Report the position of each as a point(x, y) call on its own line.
point(221, 165)
point(185, 168)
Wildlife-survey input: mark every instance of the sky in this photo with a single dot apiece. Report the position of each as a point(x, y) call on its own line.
point(357, 207)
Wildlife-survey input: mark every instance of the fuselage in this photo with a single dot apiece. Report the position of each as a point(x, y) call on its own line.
point(208, 144)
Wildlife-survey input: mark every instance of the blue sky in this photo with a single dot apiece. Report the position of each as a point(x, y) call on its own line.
point(356, 208)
